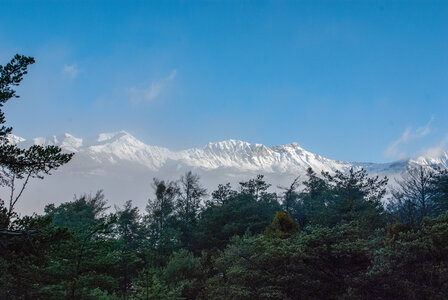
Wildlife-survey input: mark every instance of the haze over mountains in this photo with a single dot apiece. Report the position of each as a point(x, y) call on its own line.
point(124, 167)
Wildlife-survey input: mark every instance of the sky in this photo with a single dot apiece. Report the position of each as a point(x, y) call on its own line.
point(350, 80)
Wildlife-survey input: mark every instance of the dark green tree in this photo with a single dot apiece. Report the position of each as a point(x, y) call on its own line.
point(357, 197)
point(161, 222)
point(187, 205)
point(440, 188)
point(251, 211)
point(183, 273)
point(290, 196)
point(129, 236)
point(256, 187)
point(320, 263)
point(24, 257)
point(19, 165)
point(315, 204)
point(222, 193)
point(83, 262)
point(409, 264)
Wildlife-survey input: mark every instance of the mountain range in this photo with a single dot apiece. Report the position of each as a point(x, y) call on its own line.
point(124, 166)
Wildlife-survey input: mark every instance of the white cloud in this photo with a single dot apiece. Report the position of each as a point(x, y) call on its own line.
point(394, 150)
point(71, 70)
point(436, 151)
point(172, 75)
point(153, 91)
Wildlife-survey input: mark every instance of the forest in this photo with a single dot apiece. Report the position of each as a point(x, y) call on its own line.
point(325, 236)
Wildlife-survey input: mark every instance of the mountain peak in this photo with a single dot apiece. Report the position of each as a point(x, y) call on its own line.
point(228, 144)
point(103, 137)
point(231, 153)
point(14, 139)
point(434, 158)
point(68, 141)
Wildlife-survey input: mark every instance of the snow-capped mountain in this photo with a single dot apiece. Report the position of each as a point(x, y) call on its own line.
point(124, 166)
point(122, 148)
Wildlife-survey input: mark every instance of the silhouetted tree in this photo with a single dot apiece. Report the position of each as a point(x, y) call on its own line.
point(290, 196)
point(358, 197)
point(15, 163)
point(81, 263)
point(129, 232)
point(161, 220)
point(188, 203)
point(441, 192)
point(223, 193)
point(413, 198)
point(316, 203)
point(256, 187)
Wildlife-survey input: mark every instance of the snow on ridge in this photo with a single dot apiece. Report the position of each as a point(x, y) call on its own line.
point(243, 155)
point(103, 137)
point(120, 147)
point(441, 160)
point(14, 139)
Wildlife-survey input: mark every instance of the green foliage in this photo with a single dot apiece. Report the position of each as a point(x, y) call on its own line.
point(290, 196)
point(11, 75)
point(282, 226)
point(320, 264)
point(235, 216)
point(82, 261)
point(315, 204)
point(357, 197)
point(150, 285)
point(256, 188)
point(161, 222)
point(129, 234)
point(24, 257)
point(191, 194)
point(396, 229)
point(239, 245)
point(223, 193)
point(341, 198)
point(21, 164)
point(183, 273)
point(440, 189)
point(411, 265)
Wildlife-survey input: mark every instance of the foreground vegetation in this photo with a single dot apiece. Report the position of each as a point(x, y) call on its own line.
point(328, 237)
point(323, 237)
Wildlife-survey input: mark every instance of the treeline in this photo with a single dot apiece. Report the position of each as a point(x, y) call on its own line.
point(323, 237)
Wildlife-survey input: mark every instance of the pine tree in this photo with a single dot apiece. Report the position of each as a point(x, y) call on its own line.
point(188, 203)
point(16, 163)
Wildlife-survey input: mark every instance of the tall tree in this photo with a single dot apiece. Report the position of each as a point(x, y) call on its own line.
point(413, 198)
point(15, 163)
point(256, 187)
point(249, 211)
point(441, 191)
point(358, 197)
point(161, 219)
point(221, 194)
point(190, 195)
point(81, 263)
point(129, 244)
point(290, 196)
point(315, 203)
point(188, 203)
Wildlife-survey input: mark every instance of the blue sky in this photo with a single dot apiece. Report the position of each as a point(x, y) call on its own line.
point(351, 80)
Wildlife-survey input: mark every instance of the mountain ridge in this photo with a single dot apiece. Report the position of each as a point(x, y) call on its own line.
point(124, 166)
point(231, 153)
